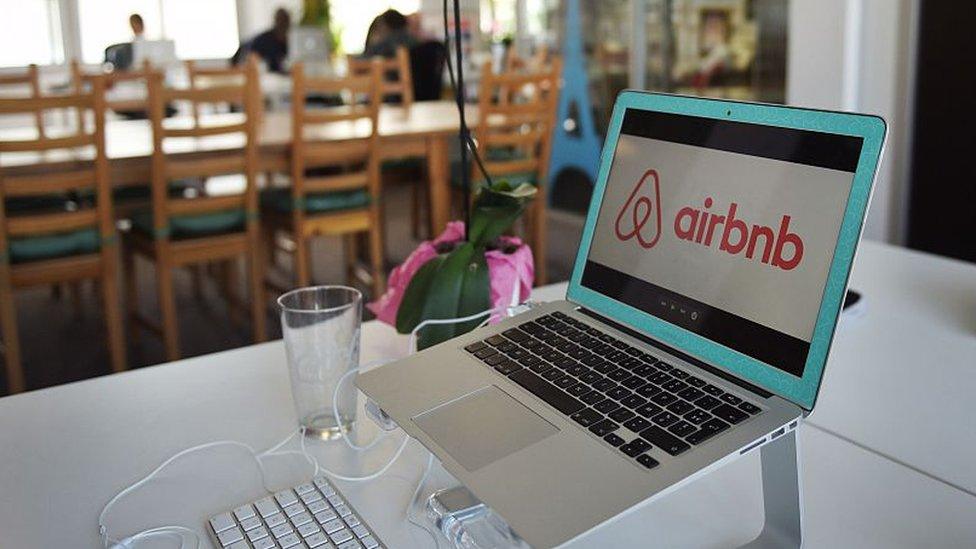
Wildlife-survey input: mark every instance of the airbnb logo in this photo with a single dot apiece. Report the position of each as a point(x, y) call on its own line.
point(730, 233)
point(641, 209)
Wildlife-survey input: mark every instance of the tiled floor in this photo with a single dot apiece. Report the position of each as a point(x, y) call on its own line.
point(61, 346)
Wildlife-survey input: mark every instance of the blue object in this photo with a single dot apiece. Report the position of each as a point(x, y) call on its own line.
point(802, 391)
point(580, 149)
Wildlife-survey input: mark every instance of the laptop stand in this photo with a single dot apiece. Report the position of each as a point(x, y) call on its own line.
point(783, 527)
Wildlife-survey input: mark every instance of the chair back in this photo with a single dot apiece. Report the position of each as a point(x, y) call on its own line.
point(201, 77)
point(88, 181)
point(133, 103)
point(235, 159)
point(397, 81)
point(26, 84)
point(358, 117)
point(516, 113)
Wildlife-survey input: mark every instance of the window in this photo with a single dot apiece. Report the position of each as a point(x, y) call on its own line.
point(31, 31)
point(200, 29)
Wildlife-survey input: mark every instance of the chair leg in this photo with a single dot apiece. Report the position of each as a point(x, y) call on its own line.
point(256, 278)
point(113, 316)
point(131, 294)
point(11, 339)
point(303, 266)
point(167, 308)
point(376, 259)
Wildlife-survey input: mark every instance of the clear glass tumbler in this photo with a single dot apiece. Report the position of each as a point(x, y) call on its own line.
point(321, 327)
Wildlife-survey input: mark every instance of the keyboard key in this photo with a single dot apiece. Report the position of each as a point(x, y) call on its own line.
point(697, 416)
point(630, 363)
point(750, 408)
point(691, 394)
point(649, 359)
point(230, 536)
point(553, 374)
point(370, 543)
point(731, 399)
point(707, 402)
point(681, 407)
point(341, 536)
point(496, 359)
point(622, 415)
point(682, 429)
point(519, 354)
point(343, 510)
point(633, 382)
point(616, 356)
point(282, 530)
point(266, 543)
point(222, 522)
point(649, 410)
point(633, 401)
point(304, 488)
point(323, 485)
point(293, 509)
point(244, 512)
point(579, 390)
point(496, 340)
point(311, 497)
point(635, 447)
point(316, 540)
point(590, 377)
point(516, 335)
point(587, 417)
point(663, 399)
point(592, 397)
point(547, 392)
point(604, 367)
point(606, 406)
point(565, 381)
point(577, 370)
point(729, 414)
point(613, 440)
point(680, 374)
point(695, 381)
point(674, 386)
point(659, 378)
point(664, 419)
point(286, 498)
point(619, 393)
point(352, 521)
point(275, 520)
point(250, 523)
point(360, 531)
point(301, 518)
point(565, 363)
point(618, 374)
point(266, 507)
point(713, 390)
point(647, 461)
point(604, 385)
point(308, 529)
point(333, 526)
point(645, 371)
point(637, 424)
point(664, 366)
point(290, 540)
point(664, 440)
point(528, 361)
point(649, 390)
point(508, 367)
point(708, 429)
point(592, 360)
point(604, 427)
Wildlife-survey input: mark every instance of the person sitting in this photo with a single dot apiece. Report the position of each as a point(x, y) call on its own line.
point(387, 32)
point(271, 45)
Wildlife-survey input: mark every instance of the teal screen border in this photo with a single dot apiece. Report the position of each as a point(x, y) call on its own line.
point(802, 391)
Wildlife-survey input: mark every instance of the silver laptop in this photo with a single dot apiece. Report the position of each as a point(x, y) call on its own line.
point(696, 324)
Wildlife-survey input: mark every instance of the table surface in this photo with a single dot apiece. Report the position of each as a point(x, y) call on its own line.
point(886, 458)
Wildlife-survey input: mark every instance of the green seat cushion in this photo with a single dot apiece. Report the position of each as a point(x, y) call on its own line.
point(282, 201)
point(496, 155)
point(188, 226)
point(35, 248)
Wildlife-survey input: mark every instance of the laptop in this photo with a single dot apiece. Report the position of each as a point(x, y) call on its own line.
point(696, 325)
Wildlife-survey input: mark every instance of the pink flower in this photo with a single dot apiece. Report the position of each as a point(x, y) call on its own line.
point(509, 274)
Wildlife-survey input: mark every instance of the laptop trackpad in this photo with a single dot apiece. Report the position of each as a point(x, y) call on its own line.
point(483, 427)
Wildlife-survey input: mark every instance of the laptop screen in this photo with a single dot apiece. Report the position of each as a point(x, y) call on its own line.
point(726, 229)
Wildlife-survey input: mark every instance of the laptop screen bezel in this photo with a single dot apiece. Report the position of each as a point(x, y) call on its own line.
point(800, 390)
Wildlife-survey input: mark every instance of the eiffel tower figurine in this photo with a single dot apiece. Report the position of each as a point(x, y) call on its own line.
point(576, 145)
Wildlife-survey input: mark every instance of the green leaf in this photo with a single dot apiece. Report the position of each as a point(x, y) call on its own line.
point(411, 308)
point(452, 295)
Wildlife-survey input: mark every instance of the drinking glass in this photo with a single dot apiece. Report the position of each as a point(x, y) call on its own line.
point(321, 326)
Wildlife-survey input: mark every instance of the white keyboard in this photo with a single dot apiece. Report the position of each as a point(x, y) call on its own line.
point(309, 516)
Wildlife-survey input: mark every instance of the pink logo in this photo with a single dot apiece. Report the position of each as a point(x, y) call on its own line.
point(641, 208)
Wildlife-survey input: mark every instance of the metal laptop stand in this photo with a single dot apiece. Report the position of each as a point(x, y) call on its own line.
point(783, 527)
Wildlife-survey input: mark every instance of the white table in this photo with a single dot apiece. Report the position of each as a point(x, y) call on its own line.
point(66, 450)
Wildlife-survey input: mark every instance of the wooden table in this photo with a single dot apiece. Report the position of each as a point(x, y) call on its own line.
point(424, 130)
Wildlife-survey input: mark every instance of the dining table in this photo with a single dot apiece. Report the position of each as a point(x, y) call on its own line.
point(423, 130)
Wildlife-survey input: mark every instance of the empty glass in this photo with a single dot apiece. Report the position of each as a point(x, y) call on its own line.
point(321, 326)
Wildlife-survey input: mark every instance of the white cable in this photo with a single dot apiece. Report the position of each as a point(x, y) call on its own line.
point(413, 334)
point(413, 502)
point(335, 407)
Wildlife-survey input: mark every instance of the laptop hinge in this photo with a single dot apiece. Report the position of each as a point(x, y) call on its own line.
point(672, 351)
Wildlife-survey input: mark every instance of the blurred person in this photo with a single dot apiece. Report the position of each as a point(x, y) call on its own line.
point(138, 27)
point(271, 45)
point(387, 32)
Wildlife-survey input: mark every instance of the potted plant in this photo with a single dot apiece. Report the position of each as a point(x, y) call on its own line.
point(457, 274)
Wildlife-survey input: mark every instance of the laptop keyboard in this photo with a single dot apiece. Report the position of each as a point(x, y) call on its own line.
point(627, 397)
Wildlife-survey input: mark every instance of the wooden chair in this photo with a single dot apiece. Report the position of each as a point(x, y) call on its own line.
point(42, 247)
point(343, 197)
point(179, 232)
point(516, 114)
point(202, 77)
point(136, 103)
point(27, 85)
point(397, 80)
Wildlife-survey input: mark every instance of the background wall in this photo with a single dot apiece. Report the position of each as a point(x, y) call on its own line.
point(859, 55)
